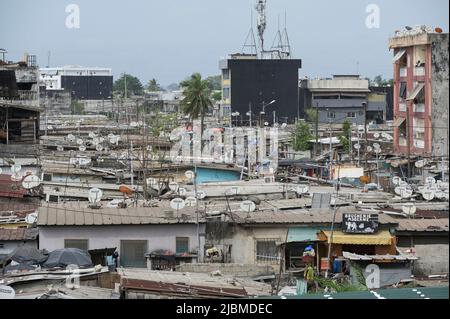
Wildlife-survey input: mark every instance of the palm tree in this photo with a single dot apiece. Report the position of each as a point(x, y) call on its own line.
point(196, 102)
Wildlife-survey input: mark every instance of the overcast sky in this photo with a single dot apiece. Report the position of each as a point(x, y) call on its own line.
point(170, 39)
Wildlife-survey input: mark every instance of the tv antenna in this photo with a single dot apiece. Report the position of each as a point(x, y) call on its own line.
point(250, 41)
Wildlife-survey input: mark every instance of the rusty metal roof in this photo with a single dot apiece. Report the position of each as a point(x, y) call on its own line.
point(9, 188)
point(14, 234)
point(423, 225)
point(75, 215)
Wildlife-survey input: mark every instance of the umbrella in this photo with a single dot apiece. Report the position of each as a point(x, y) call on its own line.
point(29, 255)
point(68, 256)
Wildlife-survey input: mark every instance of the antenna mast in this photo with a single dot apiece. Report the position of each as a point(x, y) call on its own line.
point(261, 8)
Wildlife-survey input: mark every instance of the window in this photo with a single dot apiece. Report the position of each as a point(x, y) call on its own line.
point(132, 253)
point(351, 115)
point(331, 115)
point(267, 251)
point(226, 93)
point(402, 92)
point(182, 245)
point(76, 243)
point(226, 74)
point(2, 245)
point(419, 56)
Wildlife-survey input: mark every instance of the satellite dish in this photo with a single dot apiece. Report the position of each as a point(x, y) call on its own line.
point(71, 138)
point(99, 148)
point(191, 201)
point(302, 189)
point(82, 148)
point(357, 146)
point(182, 191)
point(31, 218)
point(376, 135)
point(177, 203)
point(95, 195)
point(31, 181)
point(7, 292)
point(396, 180)
point(126, 190)
point(361, 128)
point(377, 150)
point(234, 190)
point(173, 186)
point(248, 206)
point(189, 174)
point(201, 194)
point(403, 184)
point(79, 141)
point(114, 203)
point(16, 177)
point(284, 125)
point(95, 141)
point(428, 194)
point(430, 180)
point(406, 193)
point(409, 209)
point(266, 123)
point(91, 134)
point(419, 164)
point(439, 194)
point(369, 148)
point(376, 145)
point(60, 148)
point(16, 168)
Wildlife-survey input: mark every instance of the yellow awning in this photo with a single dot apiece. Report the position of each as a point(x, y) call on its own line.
point(383, 237)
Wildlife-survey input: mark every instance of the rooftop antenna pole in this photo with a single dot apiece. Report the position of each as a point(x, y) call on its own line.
point(261, 8)
point(48, 59)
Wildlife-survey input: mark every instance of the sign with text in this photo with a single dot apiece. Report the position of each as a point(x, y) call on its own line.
point(364, 223)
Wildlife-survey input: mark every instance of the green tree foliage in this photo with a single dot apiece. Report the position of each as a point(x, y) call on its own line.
point(134, 86)
point(214, 82)
point(311, 115)
point(196, 102)
point(379, 81)
point(344, 137)
point(216, 95)
point(77, 107)
point(301, 137)
point(153, 86)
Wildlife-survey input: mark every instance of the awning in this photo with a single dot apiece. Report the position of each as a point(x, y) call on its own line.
point(416, 91)
point(383, 237)
point(399, 55)
point(398, 121)
point(399, 257)
point(302, 234)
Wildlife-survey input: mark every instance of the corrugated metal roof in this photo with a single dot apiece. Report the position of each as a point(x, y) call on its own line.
point(353, 256)
point(73, 215)
point(383, 237)
point(423, 225)
point(9, 188)
point(14, 234)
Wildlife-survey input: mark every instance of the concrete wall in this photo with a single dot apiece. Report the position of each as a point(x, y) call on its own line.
point(341, 115)
point(440, 88)
point(390, 274)
point(239, 270)
point(157, 236)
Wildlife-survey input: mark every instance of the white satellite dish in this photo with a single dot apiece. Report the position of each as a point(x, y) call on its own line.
point(95, 141)
point(7, 292)
point(31, 181)
point(396, 180)
point(31, 218)
point(91, 134)
point(173, 186)
point(377, 150)
point(95, 195)
point(357, 146)
point(234, 190)
point(82, 148)
point(361, 128)
point(189, 174)
point(419, 163)
point(99, 148)
point(439, 194)
point(446, 194)
point(266, 123)
point(16, 168)
point(79, 141)
point(376, 135)
point(376, 145)
point(60, 148)
point(114, 203)
point(406, 193)
point(403, 184)
point(71, 138)
point(110, 135)
point(428, 194)
point(177, 203)
point(409, 209)
point(16, 177)
point(248, 206)
point(302, 189)
point(430, 180)
point(284, 125)
point(191, 201)
point(369, 148)
point(182, 191)
point(201, 194)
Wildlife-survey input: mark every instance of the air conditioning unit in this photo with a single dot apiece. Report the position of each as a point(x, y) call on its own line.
point(269, 179)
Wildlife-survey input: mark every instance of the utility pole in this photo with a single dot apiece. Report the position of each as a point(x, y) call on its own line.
point(317, 129)
point(350, 146)
point(196, 205)
point(442, 163)
point(331, 151)
point(274, 118)
point(250, 113)
point(365, 136)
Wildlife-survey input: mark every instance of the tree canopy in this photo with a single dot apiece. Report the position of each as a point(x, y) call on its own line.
point(134, 85)
point(301, 137)
point(154, 86)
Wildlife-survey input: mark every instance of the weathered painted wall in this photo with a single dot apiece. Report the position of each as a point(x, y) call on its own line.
point(440, 87)
point(7, 247)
